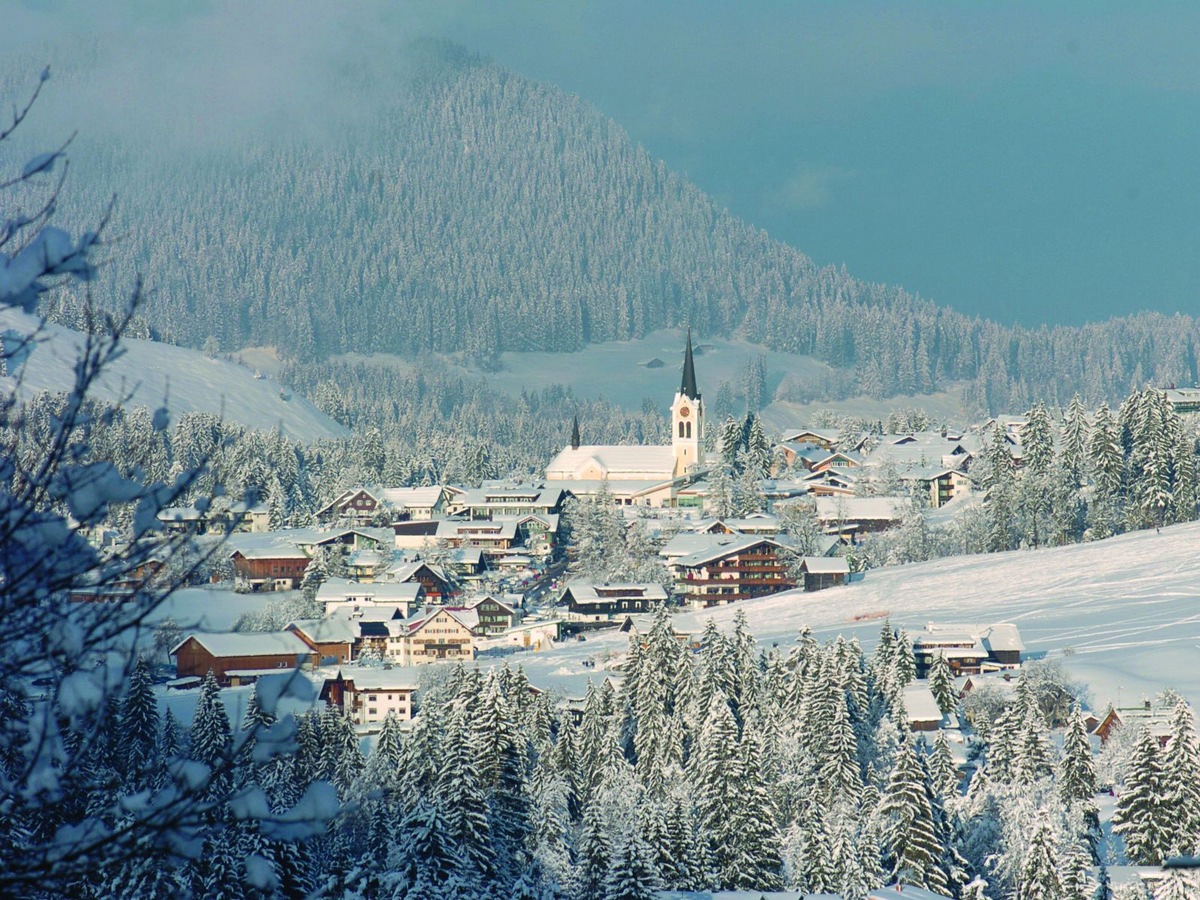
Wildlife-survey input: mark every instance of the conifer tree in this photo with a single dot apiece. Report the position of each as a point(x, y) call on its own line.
point(1181, 783)
point(631, 875)
point(1177, 884)
point(1039, 878)
point(756, 860)
point(913, 849)
point(1077, 769)
point(137, 739)
point(941, 684)
point(1139, 816)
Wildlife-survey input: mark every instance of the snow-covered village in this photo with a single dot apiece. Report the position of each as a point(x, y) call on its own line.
point(416, 487)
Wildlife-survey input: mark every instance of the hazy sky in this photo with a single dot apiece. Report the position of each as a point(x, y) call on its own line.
point(1034, 163)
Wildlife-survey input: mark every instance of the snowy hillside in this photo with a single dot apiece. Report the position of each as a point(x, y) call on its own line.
point(1123, 614)
point(150, 371)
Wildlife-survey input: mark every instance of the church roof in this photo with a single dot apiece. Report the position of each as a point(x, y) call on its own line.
point(618, 461)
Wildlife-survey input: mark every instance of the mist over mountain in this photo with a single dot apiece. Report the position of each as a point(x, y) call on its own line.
point(469, 209)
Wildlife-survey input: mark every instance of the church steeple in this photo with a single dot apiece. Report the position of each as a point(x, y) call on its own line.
point(688, 387)
point(687, 419)
point(575, 432)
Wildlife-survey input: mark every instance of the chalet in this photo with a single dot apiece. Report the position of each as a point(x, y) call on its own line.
point(238, 517)
point(358, 506)
point(969, 649)
point(921, 708)
point(496, 500)
point(586, 601)
point(416, 503)
point(756, 523)
point(278, 566)
point(368, 695)
point(539, 532)
point(239, 658)
point(418, 534)
point(436, 635)
point(831, 483)
point(962, 650)
point(942, 484)
point(822, 572)
point(435, 583)
point(183, 520)
point(825, 439)
point(737, 567)
point(852, 516)
point(1156, 717)
point(1184, 400)
point(332, 639)
point(494, 538)
point(366, 565)
point(338, 594)
point(494, 615)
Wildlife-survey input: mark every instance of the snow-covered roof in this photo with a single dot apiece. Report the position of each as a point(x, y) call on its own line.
point(261, 643)
point(340, 590)
point(335, 630)
point(617, 461)
point(591, 592)
point(859, 509)
point(920, 704)
point(484, 528)
point(733, 543)
point(826, 565)
point(413, 497)
point(380, 678)
point(1003, 637)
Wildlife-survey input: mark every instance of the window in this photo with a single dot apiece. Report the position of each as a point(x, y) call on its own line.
point(688, 428)
point(681, 429)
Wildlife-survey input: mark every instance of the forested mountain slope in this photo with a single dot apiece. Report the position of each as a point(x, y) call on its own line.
point(477, 210)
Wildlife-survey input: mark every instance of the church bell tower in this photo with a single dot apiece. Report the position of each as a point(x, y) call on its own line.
point(687, 418)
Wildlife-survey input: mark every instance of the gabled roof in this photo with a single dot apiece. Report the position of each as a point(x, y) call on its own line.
point(379, 678)
point(734, 544)
point(336, 630)
point(826, 565)
point(473, 602)
point(491, 529)
point(413, 497)
point(341, 589)
point(618, 462)
point(860, 509)
point(593, 592)
point(264, 643)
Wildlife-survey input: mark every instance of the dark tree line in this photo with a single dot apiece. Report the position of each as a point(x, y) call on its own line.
point(480, 211)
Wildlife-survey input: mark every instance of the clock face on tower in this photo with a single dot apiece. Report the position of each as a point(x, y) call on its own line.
point(685, 412)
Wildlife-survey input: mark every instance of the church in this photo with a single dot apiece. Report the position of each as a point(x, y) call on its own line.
point(635, 475)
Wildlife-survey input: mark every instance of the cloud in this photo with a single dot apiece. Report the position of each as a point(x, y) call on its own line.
point(810, 186)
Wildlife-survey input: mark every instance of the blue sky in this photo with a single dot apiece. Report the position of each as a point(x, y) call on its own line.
point(1032, 163)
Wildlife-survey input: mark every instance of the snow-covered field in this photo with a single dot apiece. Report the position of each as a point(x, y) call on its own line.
point(1122, 614)
point(150, 371)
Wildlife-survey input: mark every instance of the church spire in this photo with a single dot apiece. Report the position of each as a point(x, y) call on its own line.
point(688, 388)
point(575, 432)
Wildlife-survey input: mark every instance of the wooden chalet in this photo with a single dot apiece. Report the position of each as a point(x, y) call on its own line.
point(495, 616)
point(333, 639)
point(274, 568)
point(586, 601)
point(1147, 714)
point(240, 658)
point(436, 586)
point(359, 506)
point(736, 568)
point(821, 572)
point(968, 649)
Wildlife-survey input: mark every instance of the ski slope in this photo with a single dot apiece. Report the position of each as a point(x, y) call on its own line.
point(1123, 615)
point(150, 372)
